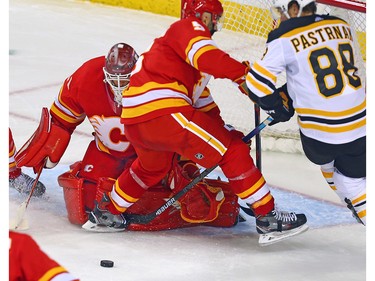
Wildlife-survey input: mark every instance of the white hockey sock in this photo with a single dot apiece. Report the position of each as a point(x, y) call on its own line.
point(354, 192)
point(327, 171)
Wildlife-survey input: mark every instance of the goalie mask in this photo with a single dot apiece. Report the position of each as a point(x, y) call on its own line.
point(119, 63)
point(197, 8)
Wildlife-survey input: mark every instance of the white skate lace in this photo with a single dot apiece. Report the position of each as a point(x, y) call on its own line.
point(284, 216)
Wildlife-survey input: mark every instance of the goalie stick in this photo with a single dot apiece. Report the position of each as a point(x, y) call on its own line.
point(20, 222)
point(143, 219)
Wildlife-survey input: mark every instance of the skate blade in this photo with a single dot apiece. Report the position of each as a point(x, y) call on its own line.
point(275, 237)
point(93, 227)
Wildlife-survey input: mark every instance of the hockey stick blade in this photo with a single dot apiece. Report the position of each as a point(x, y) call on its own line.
point(20, 223)
point(275, 237)
point(144, 219)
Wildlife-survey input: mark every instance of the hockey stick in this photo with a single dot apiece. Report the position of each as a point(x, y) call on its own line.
point(20, 222)
point(258, 140)
point(143, 219)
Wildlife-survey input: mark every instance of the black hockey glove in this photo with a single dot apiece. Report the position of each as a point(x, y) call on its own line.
point(283, 108)
point(278, 105)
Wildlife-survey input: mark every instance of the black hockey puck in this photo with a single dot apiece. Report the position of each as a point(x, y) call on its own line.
point(106, 263)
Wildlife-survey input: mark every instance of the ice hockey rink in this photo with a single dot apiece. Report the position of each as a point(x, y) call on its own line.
point(48, 41)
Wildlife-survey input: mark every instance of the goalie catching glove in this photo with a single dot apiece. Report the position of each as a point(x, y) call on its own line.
point(48, 141)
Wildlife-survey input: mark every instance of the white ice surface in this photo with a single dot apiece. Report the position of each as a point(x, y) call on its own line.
point(48, 40)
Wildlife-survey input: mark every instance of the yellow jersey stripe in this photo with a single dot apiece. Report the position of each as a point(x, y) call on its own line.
point(66, 106)
point(132, 112)
point(327, 174)
point(351, 111)
point(359, 199)
point(200, 52)
point(123, 195)
point(329, 129)
point(64, 116)
point(207, 107)
point(52, 272)
point(264, 72)
point(190, 45)
point(262, 202)
point(257, 85)
point(252, 189)
point(362, 214)
point(198, 131)
point(135, 91)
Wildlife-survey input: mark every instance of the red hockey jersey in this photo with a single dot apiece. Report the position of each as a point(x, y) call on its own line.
point(85, 93)
point(172, 76)
point(27, 262)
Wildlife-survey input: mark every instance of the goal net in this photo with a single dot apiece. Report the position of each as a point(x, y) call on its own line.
point(246, 26)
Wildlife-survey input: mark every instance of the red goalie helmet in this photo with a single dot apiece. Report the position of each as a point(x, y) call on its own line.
point(119, 63)
point(198, 7)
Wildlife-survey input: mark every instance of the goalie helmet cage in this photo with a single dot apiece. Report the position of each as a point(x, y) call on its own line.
point(244, 34)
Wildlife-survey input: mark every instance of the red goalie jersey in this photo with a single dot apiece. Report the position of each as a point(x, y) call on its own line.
point(84, 94)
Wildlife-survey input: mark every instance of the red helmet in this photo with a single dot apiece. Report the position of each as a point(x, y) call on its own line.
point(119, 63)
point(197, 7)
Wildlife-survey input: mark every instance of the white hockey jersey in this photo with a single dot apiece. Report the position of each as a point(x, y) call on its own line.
point(318, 56)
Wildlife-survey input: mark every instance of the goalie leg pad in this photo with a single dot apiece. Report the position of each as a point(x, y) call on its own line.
point(202, 203)
point(80, 193)
point(73, 196)
point(229, 210)
point(150, 201)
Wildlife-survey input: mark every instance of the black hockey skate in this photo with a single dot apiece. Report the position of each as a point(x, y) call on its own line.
point(279, 225)
point(23, 184)
point(102, 220)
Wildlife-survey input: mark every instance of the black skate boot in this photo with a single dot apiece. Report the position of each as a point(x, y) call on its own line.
point(23, 184)
point(102, 220)
point(279, 225)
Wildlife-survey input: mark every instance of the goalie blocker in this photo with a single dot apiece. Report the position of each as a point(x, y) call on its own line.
point(210, 202)
point(48, 141)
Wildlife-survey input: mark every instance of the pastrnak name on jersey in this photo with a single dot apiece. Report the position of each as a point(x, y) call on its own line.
point(309, 31)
